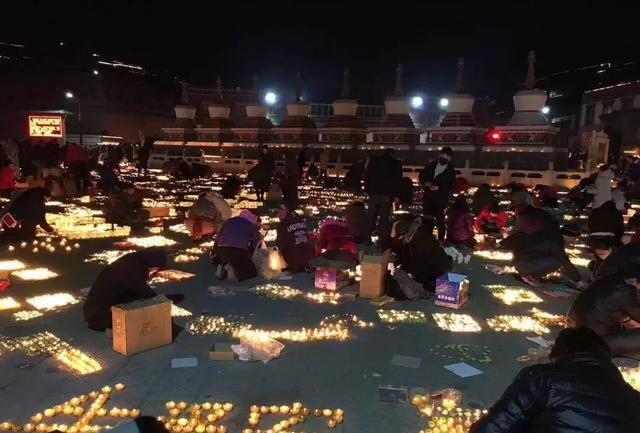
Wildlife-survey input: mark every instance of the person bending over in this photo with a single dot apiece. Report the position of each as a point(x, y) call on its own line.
point(538, 246)
point(121, 282)
point(606, 307)
point(207, 215)
point(491, 220)
point(611, 259)
point(236, 242)
point(580, 391)
point(335, 242)
point(25, 214)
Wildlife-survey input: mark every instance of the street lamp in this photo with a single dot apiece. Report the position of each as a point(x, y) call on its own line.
point(417, 101)
point(444, 102)
point(96, 72)
point(70, 95)
point(270, 98)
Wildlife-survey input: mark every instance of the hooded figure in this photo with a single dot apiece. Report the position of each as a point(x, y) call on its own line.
point(121, 282)
point(29, 210)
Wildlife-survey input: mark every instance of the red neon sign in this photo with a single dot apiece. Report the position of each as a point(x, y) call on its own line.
point(46, 126)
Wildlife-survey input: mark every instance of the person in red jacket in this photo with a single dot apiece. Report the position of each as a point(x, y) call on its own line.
point(335, 242)
point(7, 180)
point(491, 220)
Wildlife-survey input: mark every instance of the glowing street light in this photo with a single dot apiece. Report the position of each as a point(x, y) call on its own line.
point(270, 98)
point(68, 94)
point(96, 72)
point(444, 102)
point(417, 101)
point(545, 110)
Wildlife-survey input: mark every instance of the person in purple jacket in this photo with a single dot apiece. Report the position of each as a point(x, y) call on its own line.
point(235, 244)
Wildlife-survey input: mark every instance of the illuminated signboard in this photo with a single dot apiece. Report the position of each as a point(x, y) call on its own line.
point(41, 126)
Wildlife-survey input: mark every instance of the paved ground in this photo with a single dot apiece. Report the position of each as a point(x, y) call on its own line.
point(323, 374)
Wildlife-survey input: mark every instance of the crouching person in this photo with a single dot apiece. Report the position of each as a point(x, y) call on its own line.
point(606, 307)
point(335, 242)
point(207, 215)
point(293, 240)
point(420, 253)
point(580, 391)
point(235, 245)
point(123, 281)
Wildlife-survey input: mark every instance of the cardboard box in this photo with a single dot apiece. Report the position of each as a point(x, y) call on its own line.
point(141, 325)
point(452, 290)
point(221, 352)
point(374, 269)
point(330, 279)
point(158, 211)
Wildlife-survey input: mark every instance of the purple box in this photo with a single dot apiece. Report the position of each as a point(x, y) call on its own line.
point(330, 279)
point(452, 290)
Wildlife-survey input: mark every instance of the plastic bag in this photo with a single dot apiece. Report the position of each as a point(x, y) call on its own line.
point(257, 347)
point(268, 262)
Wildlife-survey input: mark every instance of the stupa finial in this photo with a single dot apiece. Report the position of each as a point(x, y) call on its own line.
point(298, 87)
point(397, 91)
point(345, 83)
point(219, 88)
point(531, 71)
point(460, 76)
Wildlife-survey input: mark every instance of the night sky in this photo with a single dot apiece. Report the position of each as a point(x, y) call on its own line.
point(199, 41)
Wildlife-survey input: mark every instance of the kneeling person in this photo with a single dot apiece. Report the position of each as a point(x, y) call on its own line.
point(235, 245)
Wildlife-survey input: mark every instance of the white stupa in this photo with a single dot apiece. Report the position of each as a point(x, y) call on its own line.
point(528, 103)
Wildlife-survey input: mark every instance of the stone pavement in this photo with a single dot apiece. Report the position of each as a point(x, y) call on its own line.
point(328, 374)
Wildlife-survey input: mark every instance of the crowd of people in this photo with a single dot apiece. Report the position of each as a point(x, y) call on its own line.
point(579, 391)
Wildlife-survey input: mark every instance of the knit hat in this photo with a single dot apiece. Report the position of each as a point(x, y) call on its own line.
point(249, 216)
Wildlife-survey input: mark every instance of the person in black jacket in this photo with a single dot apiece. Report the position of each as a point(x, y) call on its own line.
point(123, 281)
point(580, 391)
point(29, 211)
point(261, 175)
point(419, 252)
point(384, 174)
point(538, 247)
point(606, 222)
point(611, 259)
point(438, 178)
point(605, 307)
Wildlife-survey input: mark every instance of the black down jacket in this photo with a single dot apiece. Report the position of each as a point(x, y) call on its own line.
point(123, 281)
point(605, 304)
point(584, 393)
